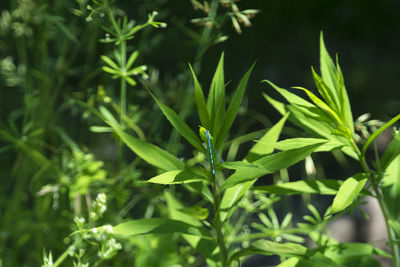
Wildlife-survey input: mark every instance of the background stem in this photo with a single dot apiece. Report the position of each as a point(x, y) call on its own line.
point(218, 224)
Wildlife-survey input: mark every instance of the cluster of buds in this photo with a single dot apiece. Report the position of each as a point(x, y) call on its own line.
point(365, 127)
point(236, 16)
point(98, 207)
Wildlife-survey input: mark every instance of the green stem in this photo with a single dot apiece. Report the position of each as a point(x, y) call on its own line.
point(394, 246)
point(123, 81)
point(218, 225)
point(63, 256)
point(122, 49)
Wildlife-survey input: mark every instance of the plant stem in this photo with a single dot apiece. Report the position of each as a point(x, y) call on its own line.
point(218, 225)
point(63, 256)
point(394, 246)
point(123, 81)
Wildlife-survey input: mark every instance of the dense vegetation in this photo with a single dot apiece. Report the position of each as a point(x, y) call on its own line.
point(137, 133)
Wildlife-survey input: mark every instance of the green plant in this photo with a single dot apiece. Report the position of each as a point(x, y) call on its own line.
point(330, 119)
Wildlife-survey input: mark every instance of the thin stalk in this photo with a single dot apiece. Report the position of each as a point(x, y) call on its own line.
point(123, 81)
point(64, 255)
point(378, 195)
point(218, 225)
point(394, 246)
point(122, 48)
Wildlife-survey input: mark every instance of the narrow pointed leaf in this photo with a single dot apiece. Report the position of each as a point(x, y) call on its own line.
point(378, 132)
point(326, 93)
point(290, 97)
point(216, 96)
point(148, 152)
point(345, 108)
point(321, 104)
point(158, 226)
point(110, 70)
point(292, 143)
point(131, 81)
point(267, 143)
point(175, 210)
point(132, 59)
point(200, 101)
point(267, 247)
point(179, 125)
point(268, 164)
point(232, 196)
point(233, 109)
point(110, 62)
point(175, 177)
point(311, 186)
point(328, 71)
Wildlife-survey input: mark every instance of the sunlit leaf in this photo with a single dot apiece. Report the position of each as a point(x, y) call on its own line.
point(158, 226)
point(347, 192)
point(200, 101)
point(310, 186)
point(175, 177)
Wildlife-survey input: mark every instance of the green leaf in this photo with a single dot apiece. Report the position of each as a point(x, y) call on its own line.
point(292, 143)
point(110, 62)
point(268, 164)
point(176, 211)
point(345, 108)
point(196, 211)
point(216, 96)
point(131, 59)
point(310, 118)
point(201, 189)
point(179, 125)
point(290, 97)
point(266, 247)
point(311, 186)
point(231, 197)
point(391, 188)
point(317, 259)
point(244, 172)
point(349, 252)
point(391, 152)
point(175, 177)
point(131, 81)
point(326, 93)
point(291, 262)
point(266, 144)
point(148, 152)
point(158, 226)
point(224, 126)
point(287, 158)
point(101, 129)
point(321, 104)
point(304, 114)
point(108, 117)
point(378, 132)
point(200, 101)
point(110, 70)
point(328, 71)
point(279, 106)
point(347, 192)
